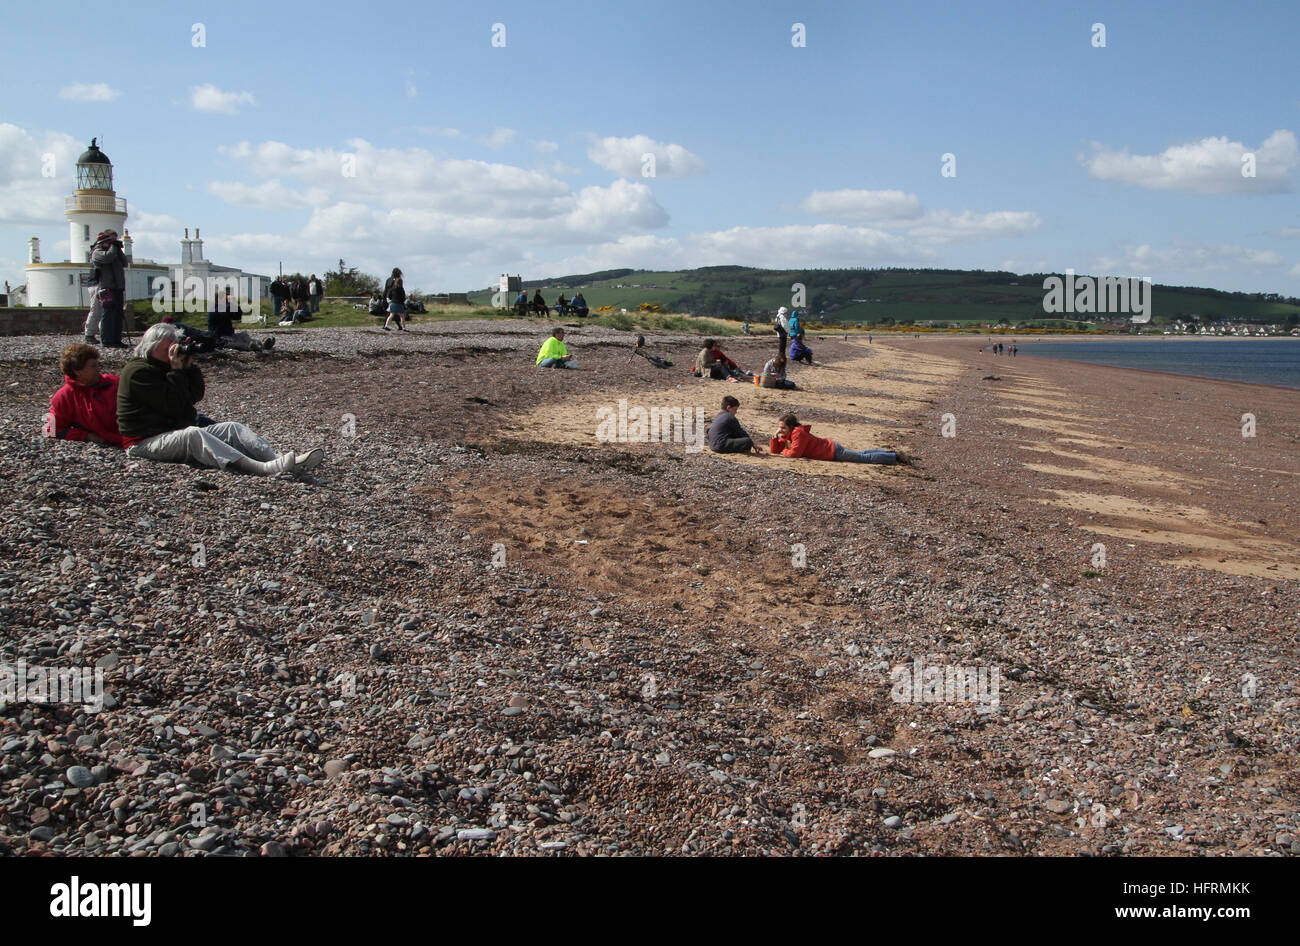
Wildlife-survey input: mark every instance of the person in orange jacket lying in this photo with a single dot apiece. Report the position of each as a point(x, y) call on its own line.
point(794, 439)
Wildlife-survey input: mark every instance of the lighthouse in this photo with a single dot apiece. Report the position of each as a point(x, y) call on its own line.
point(94, 207)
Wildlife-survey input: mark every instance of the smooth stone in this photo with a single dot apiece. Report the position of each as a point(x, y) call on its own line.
point(80, 776)
point(893, 821)
point(475, 834)
point(882, 753)
point(335, 768)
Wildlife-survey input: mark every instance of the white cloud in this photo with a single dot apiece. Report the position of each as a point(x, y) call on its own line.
point(546, 147)
point(36, 173)
point(411, 90)
point(626, 157)
point(862, 205)
point(1285, 233)
point(1294, 270)
point(1148, 260)
point(89, 92)
point(946, 226)
point(269, 195)
point(1208, 166)
point(209, 98)
point(500, 138)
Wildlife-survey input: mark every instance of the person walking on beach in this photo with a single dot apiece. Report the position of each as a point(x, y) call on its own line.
point(795, 440)
point(725, 433)
point(395, 293)
point(314, 292)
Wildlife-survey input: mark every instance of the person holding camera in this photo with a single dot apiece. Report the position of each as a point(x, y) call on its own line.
point(109, 259)
point(155, 413)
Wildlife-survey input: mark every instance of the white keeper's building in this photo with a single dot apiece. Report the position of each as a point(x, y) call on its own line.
point(93, 208)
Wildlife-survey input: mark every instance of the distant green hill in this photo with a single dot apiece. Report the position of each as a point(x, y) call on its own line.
point(880, 296)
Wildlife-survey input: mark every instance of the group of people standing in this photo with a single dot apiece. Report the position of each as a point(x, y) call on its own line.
point(998, 348)
point(295, 298)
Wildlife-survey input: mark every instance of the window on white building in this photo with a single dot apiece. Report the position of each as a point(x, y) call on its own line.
point(87, 228)
point(69, 279)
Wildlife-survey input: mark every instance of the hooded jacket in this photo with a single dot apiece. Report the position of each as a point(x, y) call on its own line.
point(78, 410)
point(802, 443)
point(109, 259)
point(153, 398)
point(781, 320)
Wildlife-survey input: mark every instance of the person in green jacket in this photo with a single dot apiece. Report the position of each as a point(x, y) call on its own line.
point(156, 395)
point(553, 354)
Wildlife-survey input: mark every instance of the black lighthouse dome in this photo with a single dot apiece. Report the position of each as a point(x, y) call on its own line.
point(93, 155)
point(94, 170)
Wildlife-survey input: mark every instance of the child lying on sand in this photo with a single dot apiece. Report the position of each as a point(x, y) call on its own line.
point(794, 439)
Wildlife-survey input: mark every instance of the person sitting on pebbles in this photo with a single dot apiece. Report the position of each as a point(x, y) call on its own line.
point(553, 354)
point(155, 414)
point(794, 439)
point(85, 408)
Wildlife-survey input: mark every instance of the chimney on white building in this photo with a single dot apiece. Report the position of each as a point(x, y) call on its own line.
point(128, 245)
point(198, 247)
point(186, 250)
point(34, 250)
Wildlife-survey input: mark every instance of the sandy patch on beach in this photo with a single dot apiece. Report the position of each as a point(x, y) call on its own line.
point(1221, 544)
point(865, 396)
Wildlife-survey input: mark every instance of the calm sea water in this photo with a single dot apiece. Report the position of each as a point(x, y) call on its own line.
point(1256, 360)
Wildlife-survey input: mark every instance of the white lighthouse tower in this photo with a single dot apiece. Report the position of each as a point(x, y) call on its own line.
point(94, 207)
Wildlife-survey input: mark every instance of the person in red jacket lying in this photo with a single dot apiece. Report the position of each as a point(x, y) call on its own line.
point(85, 408)
point(794, 439)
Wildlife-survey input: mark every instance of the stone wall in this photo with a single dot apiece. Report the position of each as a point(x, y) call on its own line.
point(49, 320)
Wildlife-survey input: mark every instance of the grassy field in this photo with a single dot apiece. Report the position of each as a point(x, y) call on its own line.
point(334, 314)
point(861, 297)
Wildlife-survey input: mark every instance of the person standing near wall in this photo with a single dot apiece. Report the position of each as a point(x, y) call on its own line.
point(109, 258)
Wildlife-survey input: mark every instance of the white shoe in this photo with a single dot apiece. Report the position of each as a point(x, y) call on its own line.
point(306, 462)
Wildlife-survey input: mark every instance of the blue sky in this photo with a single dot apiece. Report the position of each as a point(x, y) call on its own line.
point(471, 159)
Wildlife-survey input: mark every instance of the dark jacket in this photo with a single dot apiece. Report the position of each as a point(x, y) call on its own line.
point(724, 427)
point(153, 398)
point(109, 259)
point(278, 289)
point(394, 292)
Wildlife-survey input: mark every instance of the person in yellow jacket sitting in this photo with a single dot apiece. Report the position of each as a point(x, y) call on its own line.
point(553, 354)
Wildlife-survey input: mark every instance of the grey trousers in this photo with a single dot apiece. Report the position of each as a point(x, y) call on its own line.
point(218, 446)
point(94, 316)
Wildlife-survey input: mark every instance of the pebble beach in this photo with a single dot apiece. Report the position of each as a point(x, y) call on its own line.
point(481, 630)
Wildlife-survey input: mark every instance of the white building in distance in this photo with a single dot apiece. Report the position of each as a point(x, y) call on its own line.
point(93, 208)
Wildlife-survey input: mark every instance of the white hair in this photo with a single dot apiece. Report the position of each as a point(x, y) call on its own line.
point(155, 334)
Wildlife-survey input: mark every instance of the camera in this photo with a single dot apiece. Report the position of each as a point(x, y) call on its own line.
point(194, 346)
